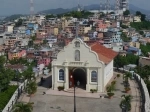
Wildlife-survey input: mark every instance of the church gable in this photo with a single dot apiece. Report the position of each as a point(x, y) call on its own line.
point(77, 50)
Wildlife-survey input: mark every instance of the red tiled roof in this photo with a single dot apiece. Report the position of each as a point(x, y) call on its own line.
point(105, 54)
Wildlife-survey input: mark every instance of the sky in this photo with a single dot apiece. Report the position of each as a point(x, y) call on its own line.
point(9, 7)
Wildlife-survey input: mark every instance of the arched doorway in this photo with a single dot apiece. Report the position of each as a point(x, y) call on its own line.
point(79, 75)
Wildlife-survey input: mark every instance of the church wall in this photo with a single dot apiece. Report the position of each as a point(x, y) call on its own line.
point(56, 79)
point(68, 55)
point(108, 73)
point(85, 55)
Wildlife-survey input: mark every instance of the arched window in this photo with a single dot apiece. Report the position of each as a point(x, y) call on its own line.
point(77, 55)
point(93, 76)
point(61, 75)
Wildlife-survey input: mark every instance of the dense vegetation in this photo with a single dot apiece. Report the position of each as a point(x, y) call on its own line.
point(144, 25)
point(18, 23)
point(145, 49)
point(127, 12)
point(143, 16)
point(5, 75)
point(75, 14)
point(124, 37)
point(6, 95)
point(120, 61)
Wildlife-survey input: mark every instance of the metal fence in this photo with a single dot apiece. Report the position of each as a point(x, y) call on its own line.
point(15, 97)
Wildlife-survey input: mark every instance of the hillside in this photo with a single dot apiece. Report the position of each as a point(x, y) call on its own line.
point(133, 9)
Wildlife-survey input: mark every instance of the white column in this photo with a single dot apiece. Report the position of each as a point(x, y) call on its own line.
point(66, 78)
point(88, 80)
point(53, 77)
point(99, 80)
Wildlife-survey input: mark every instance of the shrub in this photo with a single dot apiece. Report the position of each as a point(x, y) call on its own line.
point(60, 88)
point(113, 82)
point(93, 90)
point(118, 75)
point(6, 95)
point(110, 94)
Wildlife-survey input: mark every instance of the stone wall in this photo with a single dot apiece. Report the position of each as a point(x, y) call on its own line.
point(144, 92)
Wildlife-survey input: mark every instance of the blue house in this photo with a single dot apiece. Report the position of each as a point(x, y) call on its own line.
point(134, 39)
point(134, 50)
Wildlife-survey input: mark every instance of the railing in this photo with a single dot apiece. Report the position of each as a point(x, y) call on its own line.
point(145, 107)
point(15, 97)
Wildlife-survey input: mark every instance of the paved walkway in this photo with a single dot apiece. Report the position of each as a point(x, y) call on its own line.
point(135, 93)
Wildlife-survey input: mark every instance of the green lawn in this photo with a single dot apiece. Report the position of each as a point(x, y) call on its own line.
point(6, 95)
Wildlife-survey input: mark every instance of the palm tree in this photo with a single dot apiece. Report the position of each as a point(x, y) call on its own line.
point(126, 77)
point(28, 74)
point(22, 107)
point(31, 87)
point(126, 102)
point(110, 88)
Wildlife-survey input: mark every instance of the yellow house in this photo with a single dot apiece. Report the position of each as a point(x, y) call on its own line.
point(134, 44)
point(85, 38)
point(55, 31)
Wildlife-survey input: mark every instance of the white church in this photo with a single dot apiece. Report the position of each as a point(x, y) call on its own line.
point(89, 64)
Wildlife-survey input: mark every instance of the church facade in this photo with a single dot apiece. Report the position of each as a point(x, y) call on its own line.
point(89, 65)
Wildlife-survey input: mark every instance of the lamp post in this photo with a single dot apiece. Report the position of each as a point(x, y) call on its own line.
point(78, 83)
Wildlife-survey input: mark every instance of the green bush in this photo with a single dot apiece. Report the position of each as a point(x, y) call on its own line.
point(110, 94)
point(118, 75)
point(113, 82)
point(93, 90)
point(6, 95)
point(60, 88)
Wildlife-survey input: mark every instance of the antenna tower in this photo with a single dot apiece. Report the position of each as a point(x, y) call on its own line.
point(101, 6)
point(107, 6)
point(117, 6)
point(31, 9)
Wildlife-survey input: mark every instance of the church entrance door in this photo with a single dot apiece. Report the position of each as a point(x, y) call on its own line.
point(77, 75)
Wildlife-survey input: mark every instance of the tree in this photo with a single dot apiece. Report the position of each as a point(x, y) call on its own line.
point(110, 88)
point(127, 75)
point(126, 102)
point(143, 16)
point(31, 87)
point(22, 107)
point(127, 12)
point(141, 32)
point(145, 49)
point(18, 23)
point(2, 61)
point(50, 16)
point(28, 74)
point(124, 37)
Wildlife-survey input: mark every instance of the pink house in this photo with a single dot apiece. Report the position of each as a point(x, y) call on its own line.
point(101, 25)
point(16, 54)
point(45, 61)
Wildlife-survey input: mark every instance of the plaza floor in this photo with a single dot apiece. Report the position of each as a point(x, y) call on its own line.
point(55, 101)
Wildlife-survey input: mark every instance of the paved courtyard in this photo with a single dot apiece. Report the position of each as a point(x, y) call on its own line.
point(50, 103)
point(61, 103)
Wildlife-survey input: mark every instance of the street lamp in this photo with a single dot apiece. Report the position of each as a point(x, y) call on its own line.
point(78, 83)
